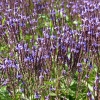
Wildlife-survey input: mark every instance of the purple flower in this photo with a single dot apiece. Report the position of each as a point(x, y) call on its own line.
point(36, 95)
point(19, 47)
point(79, 64)
point(47, 36)
point(52, 89)
point(89, 93)
point(64, 72)
point(21, 90)
point(46, 71)
point(53, 12)
point(8, 61)
point(5, 82)
point(80, 69)
point(26, 59)
point(95, 88)
point(87, 76)
point(11, 54)
point(86, 60)
point(46, 56)
point(41, 77)
point(19, 76)
point(47, 97)
point(16, 66)
point(53, 37)
point(90, 65)
point(2, 66)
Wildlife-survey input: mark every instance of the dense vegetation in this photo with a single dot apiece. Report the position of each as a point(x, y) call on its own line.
point(49, 49)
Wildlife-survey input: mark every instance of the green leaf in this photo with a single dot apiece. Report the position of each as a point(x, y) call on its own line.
point(3, 21)
point(49, 82)
point(52, 94)
point(75, 22)
point(67, 18)
point(4, 95)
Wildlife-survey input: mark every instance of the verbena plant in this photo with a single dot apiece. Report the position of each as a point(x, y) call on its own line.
point(49, 50)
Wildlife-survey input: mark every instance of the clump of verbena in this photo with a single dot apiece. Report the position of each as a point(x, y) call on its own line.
point(49, 50)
